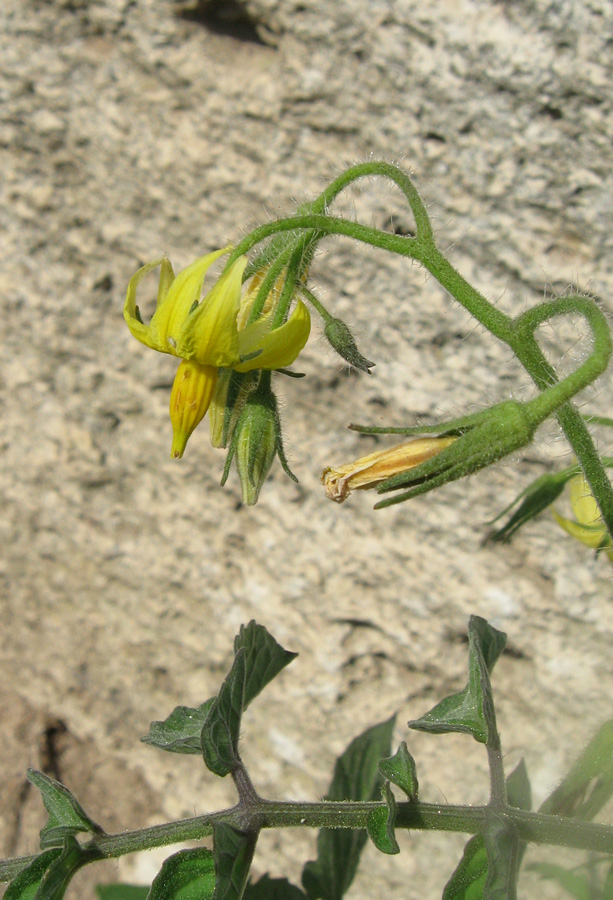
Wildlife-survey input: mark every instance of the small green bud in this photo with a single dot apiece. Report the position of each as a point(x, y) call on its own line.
point(341, 339)
point(256, 441)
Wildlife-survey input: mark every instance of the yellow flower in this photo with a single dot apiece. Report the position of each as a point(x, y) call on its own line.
point(588, 526)
point(369, 471)
point(206, 332)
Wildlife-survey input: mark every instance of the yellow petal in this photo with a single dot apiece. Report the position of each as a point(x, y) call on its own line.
point(371, 470)
point(138, 328)
point(590, 535)
point(279, 347)
point(189, 401)
point(209, 334)
point(583, 503)
point(172, 311)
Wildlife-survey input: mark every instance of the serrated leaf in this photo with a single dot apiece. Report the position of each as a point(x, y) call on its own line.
point(258, 659)
point(180, 732)
point(273, 889)
point(400, 769)
point(589, 784)
point(468, 880)
point(66, 815)
point(233, 851)
point(381, 824)
point(356, 777)
point(59, 874)
point(122, 892)
point(25, 885)
point(186, 875)
point(470, 711)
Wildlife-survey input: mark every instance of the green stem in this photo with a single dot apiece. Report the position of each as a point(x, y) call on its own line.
point(518, 337)
point(532, 827)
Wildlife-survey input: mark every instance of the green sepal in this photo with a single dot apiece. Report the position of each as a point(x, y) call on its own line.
point(66, 815)
point(25, 885)
point(588, 785)
point(180, 732)
point(400, 769)
point(470, 711)
point(120, 891)
point(381, 823)
point(258, 659)
point(267, 888)
point(186, 875)
point(233, 851)
point(483, 439)
point(544, 491)
point(356, 777)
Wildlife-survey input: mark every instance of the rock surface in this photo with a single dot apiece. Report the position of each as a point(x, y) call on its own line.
point(134, 127)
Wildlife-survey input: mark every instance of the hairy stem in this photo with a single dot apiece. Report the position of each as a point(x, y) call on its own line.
point(531, 827)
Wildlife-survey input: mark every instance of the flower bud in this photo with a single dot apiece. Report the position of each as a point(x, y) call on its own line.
point(189, 401)
point(341, 339)
point(256, 448)
point(256, 440)
point(369, 471)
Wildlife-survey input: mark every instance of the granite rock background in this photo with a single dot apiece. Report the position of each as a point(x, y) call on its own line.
point(133, 127)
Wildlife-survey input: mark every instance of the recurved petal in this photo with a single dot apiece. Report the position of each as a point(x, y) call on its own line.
point(209, 334)
point(136, 326)
point(173, 309)
point(279, 347)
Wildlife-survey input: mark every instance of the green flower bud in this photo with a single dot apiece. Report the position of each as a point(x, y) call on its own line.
point(256, 441)
point(341, 339)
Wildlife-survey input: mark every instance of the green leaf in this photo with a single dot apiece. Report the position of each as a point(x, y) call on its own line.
point(400, 769)
point(186, 875)
point(265, 658)
point(502, 848)
point(589, 784)
point(25, 885)
point(469, 879)
point(381, 824)
point(180, 732)
point(122, 891)
point(66, 815)
point(258, 659)
point(471, 710)
point(356, 777)
point(607, 888)
point(57, 877)
point(233, 850)
point(519, 792)
point(576, 883)
point(272, 889)
point(536, 498)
